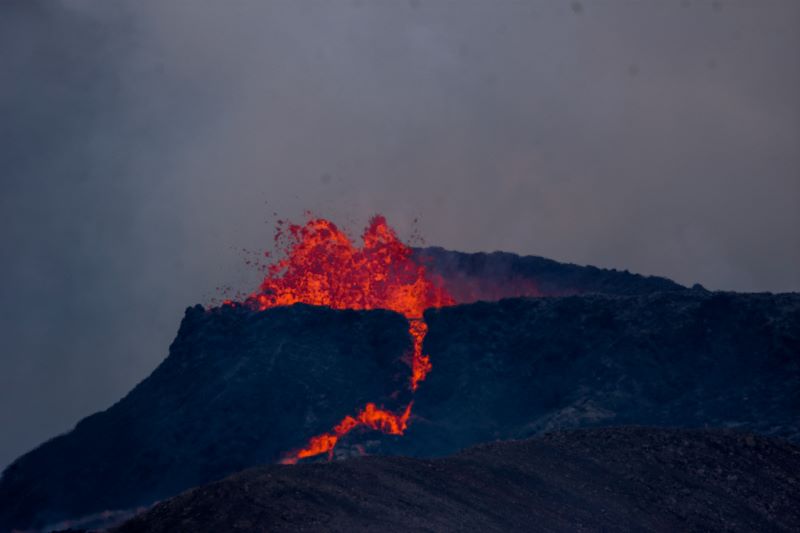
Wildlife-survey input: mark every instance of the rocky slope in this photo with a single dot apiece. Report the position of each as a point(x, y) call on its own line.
point(240, 387)
point(517, 368)
point(630, 479)
point(236, 390)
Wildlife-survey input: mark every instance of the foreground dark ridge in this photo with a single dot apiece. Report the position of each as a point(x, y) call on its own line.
point(240, 387)
point(626, 479)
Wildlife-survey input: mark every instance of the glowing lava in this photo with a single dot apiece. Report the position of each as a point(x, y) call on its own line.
point(323, 267)
point(371, 417)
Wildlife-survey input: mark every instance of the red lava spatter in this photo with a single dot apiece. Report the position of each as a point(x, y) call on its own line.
point(322, 266)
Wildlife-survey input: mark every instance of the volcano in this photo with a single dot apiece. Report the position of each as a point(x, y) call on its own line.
point(329, 359)
point(323, 267)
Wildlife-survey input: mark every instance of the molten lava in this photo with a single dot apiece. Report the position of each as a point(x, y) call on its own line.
point(371, 417)
point(323, 267)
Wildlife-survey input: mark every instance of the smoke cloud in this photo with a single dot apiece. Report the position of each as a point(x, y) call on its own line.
point(146, 144)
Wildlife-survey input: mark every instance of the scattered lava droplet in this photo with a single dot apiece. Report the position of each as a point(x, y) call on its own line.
point(322, 266)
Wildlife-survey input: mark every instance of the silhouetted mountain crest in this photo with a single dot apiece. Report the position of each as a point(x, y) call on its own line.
point(492, 276)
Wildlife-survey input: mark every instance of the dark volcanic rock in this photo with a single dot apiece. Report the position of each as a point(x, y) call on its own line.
point(628, 479)
point(238, 388)
point(518, 368)
point(496, 275)
point(241, 387)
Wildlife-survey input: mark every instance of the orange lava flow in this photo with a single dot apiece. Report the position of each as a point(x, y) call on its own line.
point(323, 267)
point(371, 417)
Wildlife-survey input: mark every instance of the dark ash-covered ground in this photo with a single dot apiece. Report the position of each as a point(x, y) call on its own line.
point(235, 391)
point(627, 479)
point(521, 367)
point(241, 387)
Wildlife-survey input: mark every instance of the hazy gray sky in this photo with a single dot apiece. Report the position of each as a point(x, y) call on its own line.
point(144, 144)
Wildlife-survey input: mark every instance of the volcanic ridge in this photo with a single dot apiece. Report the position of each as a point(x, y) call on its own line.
point(383, 349)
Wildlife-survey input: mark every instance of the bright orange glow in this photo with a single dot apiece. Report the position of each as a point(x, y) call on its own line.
point(323, 267)
point(420, 363)
point(371, 417)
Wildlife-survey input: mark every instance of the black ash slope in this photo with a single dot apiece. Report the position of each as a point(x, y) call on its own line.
point(518, 368)
point(629, 479)
point(241, 387)
point(236, 390)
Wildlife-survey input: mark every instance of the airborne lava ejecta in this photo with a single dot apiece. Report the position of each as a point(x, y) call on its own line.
point(323, 267)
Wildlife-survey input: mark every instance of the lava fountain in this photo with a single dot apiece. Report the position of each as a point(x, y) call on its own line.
point(322, 266)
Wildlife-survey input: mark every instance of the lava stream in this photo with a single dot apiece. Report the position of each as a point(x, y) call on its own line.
point(323, 267)
point(371, 417)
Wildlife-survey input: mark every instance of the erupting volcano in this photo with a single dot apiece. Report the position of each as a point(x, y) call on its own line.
point(323, 267)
